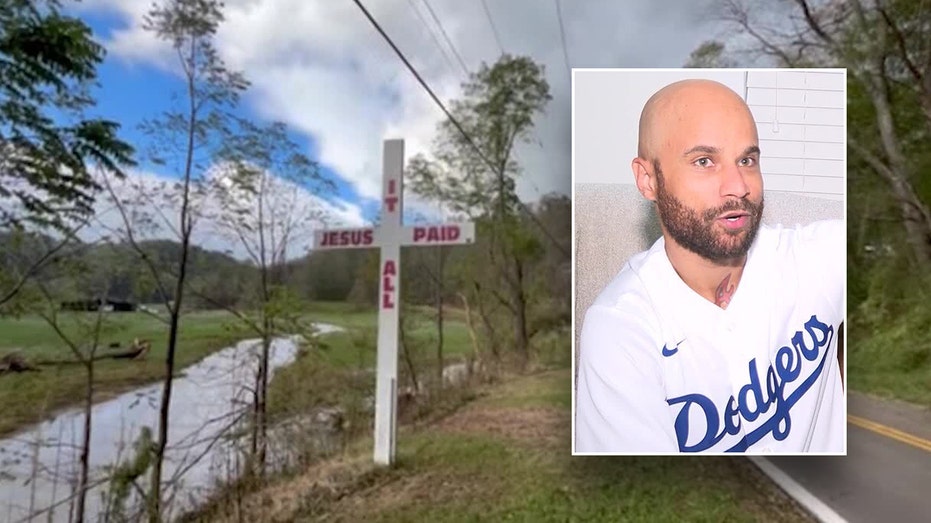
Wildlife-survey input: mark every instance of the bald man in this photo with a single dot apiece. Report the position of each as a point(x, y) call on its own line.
point(723, 336)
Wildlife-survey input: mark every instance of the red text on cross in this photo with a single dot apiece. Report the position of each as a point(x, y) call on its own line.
point(436, 233)
point(388, 274)
point(347, 238)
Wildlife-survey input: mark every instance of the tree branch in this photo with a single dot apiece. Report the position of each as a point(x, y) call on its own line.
point(737, 14)
point(504, 301)
point(901, 46)
point(132, 241)
point(813, 22)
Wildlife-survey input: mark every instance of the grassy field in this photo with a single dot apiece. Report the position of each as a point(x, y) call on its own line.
point(32, 396)
point(505, 457)
point(356, 346)
point(325, 377)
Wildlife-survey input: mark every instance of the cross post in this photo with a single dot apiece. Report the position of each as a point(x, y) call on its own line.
point(389, 236)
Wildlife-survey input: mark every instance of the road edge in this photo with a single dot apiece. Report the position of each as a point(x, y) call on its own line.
point(806, 499)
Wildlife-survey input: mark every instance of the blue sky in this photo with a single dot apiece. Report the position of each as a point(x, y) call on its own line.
point(131, 93)
point(122, 88)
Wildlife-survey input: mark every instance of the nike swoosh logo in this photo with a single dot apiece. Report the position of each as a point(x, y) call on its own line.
point(670, 352)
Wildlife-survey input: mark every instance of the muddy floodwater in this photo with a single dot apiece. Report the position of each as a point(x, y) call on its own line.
point(208, 400)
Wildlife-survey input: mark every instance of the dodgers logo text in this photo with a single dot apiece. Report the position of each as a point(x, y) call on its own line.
point(755, 398)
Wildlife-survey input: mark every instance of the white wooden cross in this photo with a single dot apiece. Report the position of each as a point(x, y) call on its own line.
point(390, 235)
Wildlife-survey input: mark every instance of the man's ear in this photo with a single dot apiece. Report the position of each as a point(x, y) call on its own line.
point(646, 181)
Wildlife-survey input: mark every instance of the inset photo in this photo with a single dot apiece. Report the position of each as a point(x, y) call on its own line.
point(709, 261)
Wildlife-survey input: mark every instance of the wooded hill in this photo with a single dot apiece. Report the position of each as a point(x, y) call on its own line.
point(340, 275)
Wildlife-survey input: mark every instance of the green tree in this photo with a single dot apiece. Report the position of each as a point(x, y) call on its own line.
point(475, 174)
point(48, 146)
point(496, 112)
point(551, 274)
point(710, 55)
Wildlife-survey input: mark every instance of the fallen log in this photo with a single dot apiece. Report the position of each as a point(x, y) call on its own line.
point(136, 351)
point(15, 362)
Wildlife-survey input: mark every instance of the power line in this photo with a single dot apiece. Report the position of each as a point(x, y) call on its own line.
point(452, 119)
point(420, 79)
point(493, 28)
point(562, 34)
point(443, 31)
point(436, 40)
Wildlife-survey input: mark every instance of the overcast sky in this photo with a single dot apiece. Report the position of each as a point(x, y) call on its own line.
point(321, 67)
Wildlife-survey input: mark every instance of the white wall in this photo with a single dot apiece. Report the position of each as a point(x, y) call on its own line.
point(800, 115)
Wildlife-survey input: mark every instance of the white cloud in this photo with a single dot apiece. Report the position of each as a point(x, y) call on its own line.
point(152, 208)
point(323, 69)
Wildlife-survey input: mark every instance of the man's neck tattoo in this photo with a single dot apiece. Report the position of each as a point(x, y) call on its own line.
point(722, 296)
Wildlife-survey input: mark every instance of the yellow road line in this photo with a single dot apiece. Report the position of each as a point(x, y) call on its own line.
point(890, 432)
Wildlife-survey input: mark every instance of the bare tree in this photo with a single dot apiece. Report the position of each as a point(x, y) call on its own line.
point(268, 194)
point(437, 277)
point(430, 263)
point(82, 339)
point(87, 357)
point(409, 347)
point(187, 138)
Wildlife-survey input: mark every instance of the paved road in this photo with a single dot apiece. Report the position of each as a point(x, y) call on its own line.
point(882, 478)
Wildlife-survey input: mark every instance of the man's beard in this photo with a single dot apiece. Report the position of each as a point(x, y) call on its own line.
point(698, 232)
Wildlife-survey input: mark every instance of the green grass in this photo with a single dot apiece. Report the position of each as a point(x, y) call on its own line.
point(508, 459)
point(323, 378)
point(33, 396)
point(30, 397)
point(505, 456)
point(344, 314)
point(892, 358)
point(533, 391)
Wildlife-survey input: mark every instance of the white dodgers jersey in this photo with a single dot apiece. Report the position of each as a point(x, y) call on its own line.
point(662, 369)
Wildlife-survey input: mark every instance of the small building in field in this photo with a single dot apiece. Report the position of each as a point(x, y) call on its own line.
point(96, 304)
